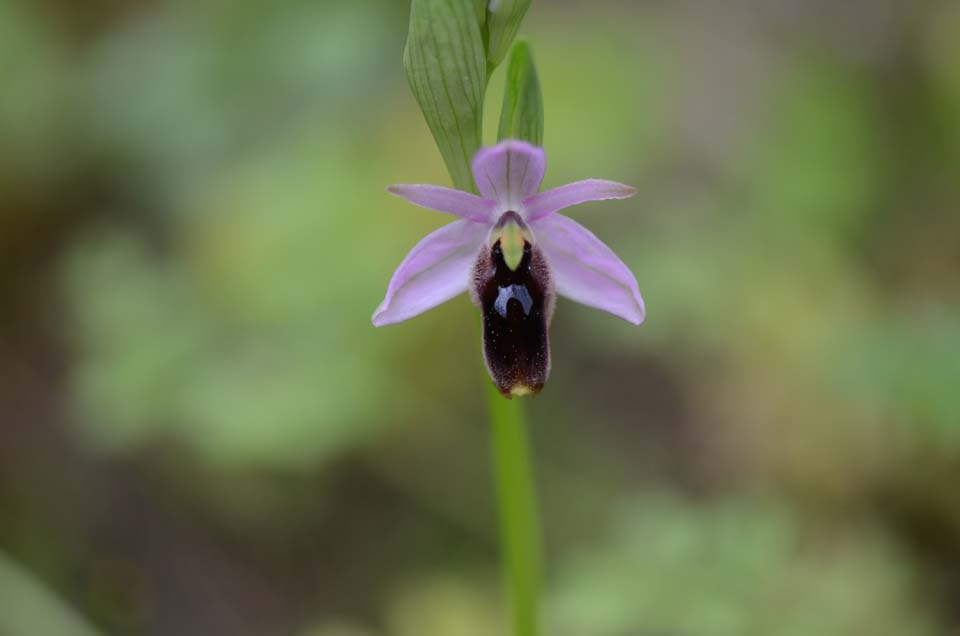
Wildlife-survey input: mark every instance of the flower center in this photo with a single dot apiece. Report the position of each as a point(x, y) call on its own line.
point(513, 237)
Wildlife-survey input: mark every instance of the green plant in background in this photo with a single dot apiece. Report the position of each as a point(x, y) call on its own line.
point(747, 566)
point(510, 249)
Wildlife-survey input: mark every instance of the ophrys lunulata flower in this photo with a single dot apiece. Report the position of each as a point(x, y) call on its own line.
point(514, 253)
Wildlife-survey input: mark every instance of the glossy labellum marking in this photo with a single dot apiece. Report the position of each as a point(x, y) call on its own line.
point(514, 290)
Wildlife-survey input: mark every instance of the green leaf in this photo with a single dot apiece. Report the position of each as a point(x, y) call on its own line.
point(522, 114)
point(446, 67)
point(30, 607)
point(481, 8)
point(503, 21)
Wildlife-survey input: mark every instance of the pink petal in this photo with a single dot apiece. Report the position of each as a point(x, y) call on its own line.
point(436, 269)
point(587, 271)
point(546, 203)
point(509, 172)
point(456, 202)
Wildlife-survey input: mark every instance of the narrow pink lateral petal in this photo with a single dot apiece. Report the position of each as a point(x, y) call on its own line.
point(546, 203)
point(456, 202)
point(436, 269)
point(509, 172)
point(585, 270)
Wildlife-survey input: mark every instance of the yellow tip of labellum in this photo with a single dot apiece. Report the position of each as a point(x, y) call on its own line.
point(521, 391)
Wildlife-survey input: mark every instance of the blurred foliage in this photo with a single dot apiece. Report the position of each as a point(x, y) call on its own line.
point(739, 568)
point(203, 433)
point(232, 315)
point(34, 111)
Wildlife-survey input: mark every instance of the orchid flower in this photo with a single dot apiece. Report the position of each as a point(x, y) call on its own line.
point(513, 252)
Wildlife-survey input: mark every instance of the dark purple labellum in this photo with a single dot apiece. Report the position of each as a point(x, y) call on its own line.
point(516, 305)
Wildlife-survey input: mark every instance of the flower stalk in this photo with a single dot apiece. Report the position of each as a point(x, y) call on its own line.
point(517, 503)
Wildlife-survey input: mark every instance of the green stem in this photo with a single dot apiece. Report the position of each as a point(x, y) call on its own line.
point(516, 500)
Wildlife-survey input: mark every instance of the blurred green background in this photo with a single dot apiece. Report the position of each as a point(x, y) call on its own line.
point(201, 432)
